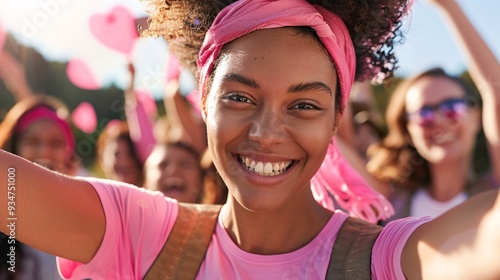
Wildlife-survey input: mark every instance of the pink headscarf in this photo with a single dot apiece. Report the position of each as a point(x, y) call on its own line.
point(335, 176)
point(44, 112)
point(243, 17)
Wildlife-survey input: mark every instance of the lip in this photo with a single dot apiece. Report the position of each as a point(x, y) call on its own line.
point(172, 191)
point(261, 179)
point(443, 138)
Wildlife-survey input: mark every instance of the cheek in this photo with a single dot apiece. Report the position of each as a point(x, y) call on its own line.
point(473, 121)
point(194, 178)
point(25, 151)
point(217, 128)
point(417, 138)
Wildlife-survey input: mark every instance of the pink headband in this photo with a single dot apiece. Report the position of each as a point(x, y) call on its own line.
point(44, 112)
point(245, 16)
point(335, 177)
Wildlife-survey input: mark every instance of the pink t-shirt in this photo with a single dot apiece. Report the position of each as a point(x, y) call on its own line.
point(138, 223)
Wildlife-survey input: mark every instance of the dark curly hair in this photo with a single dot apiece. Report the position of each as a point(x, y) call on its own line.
point(374, 26)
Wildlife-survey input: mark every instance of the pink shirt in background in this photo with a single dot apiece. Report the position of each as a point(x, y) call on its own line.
point(139, 221)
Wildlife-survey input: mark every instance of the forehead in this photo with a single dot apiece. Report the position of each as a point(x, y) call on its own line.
point(280, 53)
point(163, 152)
point(43, 128)
point(432, 90)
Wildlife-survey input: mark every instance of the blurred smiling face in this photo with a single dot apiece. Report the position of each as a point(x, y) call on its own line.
point(270, 116)
point(118, 162)
point(440, 124)
point(44, 142)
point(174, 171)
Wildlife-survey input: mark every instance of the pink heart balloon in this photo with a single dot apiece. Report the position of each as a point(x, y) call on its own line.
point(116, 29)
point(84, 117)
point(80, 75)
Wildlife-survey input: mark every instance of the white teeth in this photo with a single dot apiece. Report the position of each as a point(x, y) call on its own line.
point(444, 137)
point(259, 168)
point(268, 168)
point(265, 168)
point(276, 167)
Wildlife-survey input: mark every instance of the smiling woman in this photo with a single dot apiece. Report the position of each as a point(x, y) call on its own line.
point(273, 115)
point(37, 129)
point(273, 92)
point(434, 120)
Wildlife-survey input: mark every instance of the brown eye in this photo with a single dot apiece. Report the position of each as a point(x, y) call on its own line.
point(305, 106)
point(238, 98)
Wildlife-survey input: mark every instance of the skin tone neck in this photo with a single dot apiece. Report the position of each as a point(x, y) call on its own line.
point(278, 231)
point(267, 109)
point(446, 182)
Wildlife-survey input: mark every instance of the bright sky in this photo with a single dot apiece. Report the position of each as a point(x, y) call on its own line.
point(429, 42)
point(59, 30)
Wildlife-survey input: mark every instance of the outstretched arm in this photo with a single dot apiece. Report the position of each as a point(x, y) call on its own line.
point(461, 244)
point(49, 211)
point(485, 72)
point(464, 242)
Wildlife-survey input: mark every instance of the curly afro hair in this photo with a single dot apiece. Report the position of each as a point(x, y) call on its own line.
point(374, 26)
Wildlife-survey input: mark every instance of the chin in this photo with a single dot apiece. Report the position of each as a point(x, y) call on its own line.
point(258, 203)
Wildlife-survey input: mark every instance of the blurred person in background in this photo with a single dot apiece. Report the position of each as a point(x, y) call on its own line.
point(117, 156)
point(37, 129)
point(180, 172)
point(433, 121)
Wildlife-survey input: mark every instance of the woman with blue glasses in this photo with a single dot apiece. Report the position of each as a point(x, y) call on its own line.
point(433, 121)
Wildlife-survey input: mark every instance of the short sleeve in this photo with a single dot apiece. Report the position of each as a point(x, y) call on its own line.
point(388, 249)
point(138, 222)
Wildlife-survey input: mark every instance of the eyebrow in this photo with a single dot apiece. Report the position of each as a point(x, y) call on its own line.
point(302, 87)
point(310, 86)
point(240, 79)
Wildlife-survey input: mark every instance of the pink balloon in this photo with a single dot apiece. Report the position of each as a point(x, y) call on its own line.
point(80, 75)
point(84, 117)
point(116, 29)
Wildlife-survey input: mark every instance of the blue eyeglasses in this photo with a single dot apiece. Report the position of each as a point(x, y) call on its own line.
point(451, 109)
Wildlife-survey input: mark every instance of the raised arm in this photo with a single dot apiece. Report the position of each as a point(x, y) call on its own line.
point(12, 72)
point(461, 244)
point(139, 123)
point(181, 116)
point(49, 211)
point(485, 71)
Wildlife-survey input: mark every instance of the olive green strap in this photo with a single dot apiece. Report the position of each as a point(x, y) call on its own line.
point(186, 246)
point(351, 254)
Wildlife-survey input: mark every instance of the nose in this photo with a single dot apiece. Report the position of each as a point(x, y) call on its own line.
point(170, 169)
point(44, 150)
point(268, 128)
